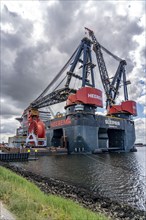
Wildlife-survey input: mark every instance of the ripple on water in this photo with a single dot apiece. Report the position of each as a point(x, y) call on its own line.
point(120, 176)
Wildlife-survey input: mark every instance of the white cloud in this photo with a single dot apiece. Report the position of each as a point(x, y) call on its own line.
point(142, 100)
point(140, 127)
point(144, 110)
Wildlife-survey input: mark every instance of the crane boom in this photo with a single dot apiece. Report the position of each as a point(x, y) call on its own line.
point(101, 64)
point(115, 84)
point(52, 98)
point(111, 87)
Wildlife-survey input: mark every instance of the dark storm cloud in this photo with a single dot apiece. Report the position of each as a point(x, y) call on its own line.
point(22, 68)
point(11, 84)
point(143, 52)
point(11, 41)
point(8, 128)
point(27, 68)
point(143, 57)
point(66, 21)
point(59, 25)
point(28, 77)
point(7, 110)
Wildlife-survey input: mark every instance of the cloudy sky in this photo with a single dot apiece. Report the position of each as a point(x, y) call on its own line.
point(38, 37)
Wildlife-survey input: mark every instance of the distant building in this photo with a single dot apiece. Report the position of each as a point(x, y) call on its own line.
point(16, 141)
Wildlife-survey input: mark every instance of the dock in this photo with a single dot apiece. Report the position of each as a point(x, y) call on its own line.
point(10, 157)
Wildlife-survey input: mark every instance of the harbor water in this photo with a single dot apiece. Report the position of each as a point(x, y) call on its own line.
point(119, 176)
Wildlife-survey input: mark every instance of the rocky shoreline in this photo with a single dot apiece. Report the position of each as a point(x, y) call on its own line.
point(93, 201)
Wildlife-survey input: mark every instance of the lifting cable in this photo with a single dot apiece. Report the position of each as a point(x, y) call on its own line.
point(111, 54)
point(60, 83)
point(57, 76)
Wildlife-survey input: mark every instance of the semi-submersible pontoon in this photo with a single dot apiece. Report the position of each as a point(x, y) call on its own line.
point(80, 129)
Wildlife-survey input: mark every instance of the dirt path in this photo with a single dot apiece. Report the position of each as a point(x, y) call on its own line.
point(5, 214)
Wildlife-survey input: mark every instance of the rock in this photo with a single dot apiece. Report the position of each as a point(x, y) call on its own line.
point(121, 215)
point(104, 205)
point(71, 196)
point(94, 201)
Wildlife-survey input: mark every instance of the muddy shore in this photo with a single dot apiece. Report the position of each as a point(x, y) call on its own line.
point(90, 200)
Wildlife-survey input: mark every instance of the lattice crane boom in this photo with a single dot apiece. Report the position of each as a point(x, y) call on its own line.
point(100, 61)
point(111, 87)
point(52, 98)
point(115, 84)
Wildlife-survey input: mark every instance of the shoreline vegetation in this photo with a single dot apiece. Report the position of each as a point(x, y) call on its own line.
point(67, 203)
point(27, 201)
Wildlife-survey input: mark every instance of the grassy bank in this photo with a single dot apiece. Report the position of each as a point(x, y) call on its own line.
point(27, 202)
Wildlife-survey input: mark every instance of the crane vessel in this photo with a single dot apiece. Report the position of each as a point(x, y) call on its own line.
point(80, 129)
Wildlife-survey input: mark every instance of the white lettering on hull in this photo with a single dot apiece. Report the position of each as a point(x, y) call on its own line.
point(112, 122)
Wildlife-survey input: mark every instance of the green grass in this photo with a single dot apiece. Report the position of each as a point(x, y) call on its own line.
point(27, 202)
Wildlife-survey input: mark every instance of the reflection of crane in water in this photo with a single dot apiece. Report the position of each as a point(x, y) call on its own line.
point(84, 99)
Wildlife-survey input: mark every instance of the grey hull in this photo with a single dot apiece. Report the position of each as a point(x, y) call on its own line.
point(91, 133)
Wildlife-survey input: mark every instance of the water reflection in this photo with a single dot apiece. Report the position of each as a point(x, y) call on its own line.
point(120, 176)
